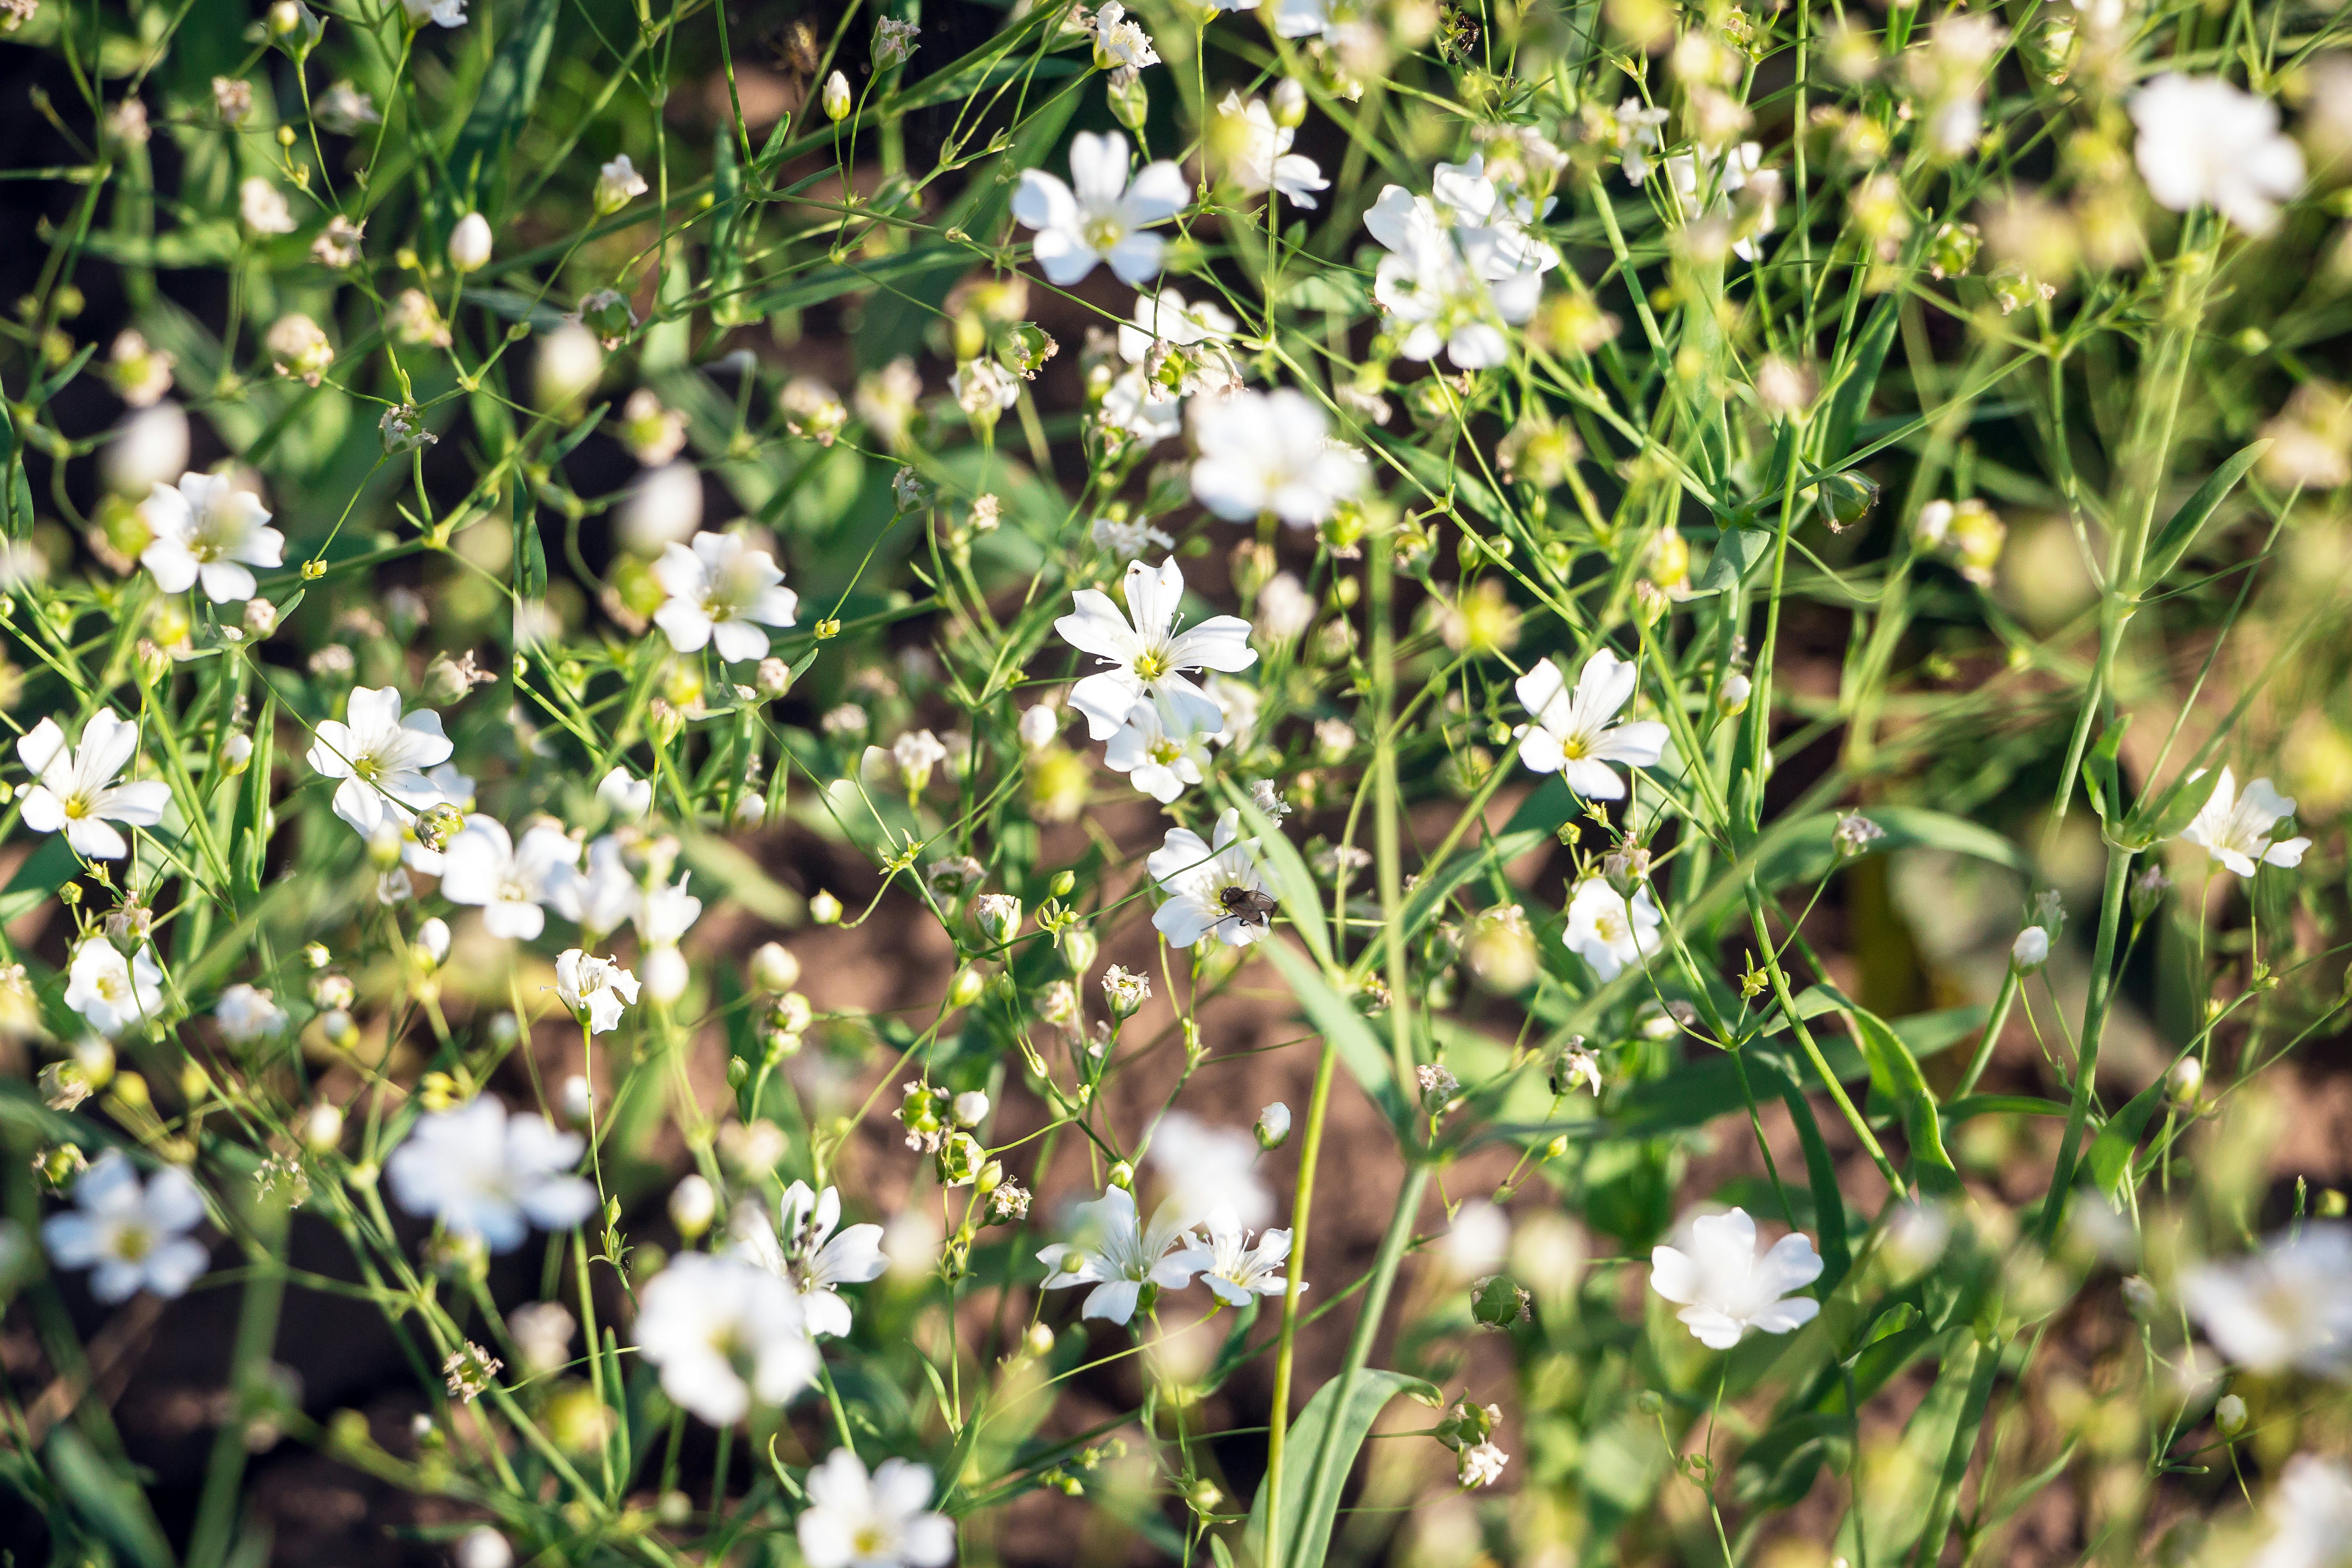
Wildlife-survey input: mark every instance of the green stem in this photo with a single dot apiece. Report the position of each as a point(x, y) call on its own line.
point(2094, 1020)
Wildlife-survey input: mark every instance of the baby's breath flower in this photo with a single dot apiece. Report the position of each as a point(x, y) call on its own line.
point(470, 1370)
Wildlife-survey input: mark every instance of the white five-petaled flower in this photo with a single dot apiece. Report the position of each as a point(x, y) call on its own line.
point(444, 12)
point(73, 788)
point(511, 882)
point(246, 1013)
point(1260, 155)
point(603, 896)
point(617, 185)
point(2203, 142)
point(1099, 216)
point(1231, 1268)
point(722, 592)
point(595, 989)
point(1462, 265)
point(1149, 657)
point(1118, 1254)
point(2310, 1516)
point(1610, 932)
point(1574, 735)
point(2236, 829)
point(110, 992)
point(1156, 761)
point(206, 530)
point(379, 755)
point(2287, 1305)
point(1725, 1288)
point(133, 1237)
point(807, 1253)
point(882, 1520)
point(724, 1330)
point(1195, 877)
point(1121, 43)
point(1272, 451)
point(484, 1173)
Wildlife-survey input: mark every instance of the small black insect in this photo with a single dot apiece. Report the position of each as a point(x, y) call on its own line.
point(1247, 905)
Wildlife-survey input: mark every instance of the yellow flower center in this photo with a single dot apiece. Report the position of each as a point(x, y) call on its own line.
point(1151, 664)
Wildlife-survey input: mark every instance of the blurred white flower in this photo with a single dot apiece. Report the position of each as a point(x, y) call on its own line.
point(664, 508)
point(110, 992)
point(1202, 329)
point(1574, 734)
point(1198, 880)
point(1232, 1270)
point(1206, 1168)
point(884, 1520)
point(133, 1237)
point(485, 1175)
point(2288, 1305)
point(617, 185)
point(1725, 1287)
point(2309, 1512)
point(1463, 263)
point(263, 208)
point(512, 883)
point(1477, 1241)
point(2203, 142)
point(1157, 762)
point(595, 989)
point(482, 1547)
point(380, 755)
point(721, 591)
point(724, 1331)
point(1272, 452)
point(148, 447)
point(2237, 830)
point(469, 243)
point(983, 388)
point(1285, 607)
point(1149, 655)
point(73, 788)
point(1141, 409)
point(207, 529)
point(1116, 1254)
point(142, 372)
point(2031, 950)
point(1607, 931)
point(807, 1254)
point(1127, 540)
point(246, 1013)
point(1259, 155)
point(627, 797)
point(1104, 218)
point(444, 12)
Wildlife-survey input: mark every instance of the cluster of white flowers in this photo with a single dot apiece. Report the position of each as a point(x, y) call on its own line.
point(1463, 263)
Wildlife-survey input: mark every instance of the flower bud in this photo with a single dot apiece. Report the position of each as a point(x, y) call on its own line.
point(1288, 103)
point(1130, 104)
point(825, 908)
point(774, 968)
point(1079, 949)
point(236, 753)
point(692, 1207)
point(970, 1108)
point(576, 1101)
point(1732, 700)
point(1040, 1342)
point(469, 243)
point(2031, 950)
point(998, 916)
point(774, 679)
point(2229, 1415)
point(2184, 1082)
point(966, 987)
point(1274, 1126)
point(836, 97)
point(433, 942)
point(1121, 1176)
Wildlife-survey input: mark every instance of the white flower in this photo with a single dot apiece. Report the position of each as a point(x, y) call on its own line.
point(1725, 1288)
point(1141, 409)
point(1285, 607)
point(1195, 877)
point(1482, 1464)
point(148, 447)
point(2288, 1305)
point(1260, 155)
point(2310, 1514)
point(1128, 540)
point(483, 1174)
point(1635, 135)
point(379, 755)
point(1157, 762)
point(723, 1331)
point(809, 1255)
point(2237, 829)
point(628, 798)
point(1272, 451)
point(74, 787)
point(667, 912)
point(617, 185)
point(1121, 43)
point(1116, 1255)
point(134, 1237)
point(1149, 655)
point(205, 529)
point(1104, 218)
point(1202, 329)
point(262, 207)
point(1206, 1168)
point(718, 590)
point(2203, 142)
point(1573, 736)
point(1039, 725)
point(983, 388)
point(664, 506)
point(1607, 932)
point(1462, 265)
point(343, 108)
point(2031, 950)
point(854, 1520)
point(246, 1013)
point(1231, 1268)
point(469, 243)
point(446, 13)
point(110, 992)
point(604, 896)
point(511, 882)
point(595, 989)
point(1303, 18)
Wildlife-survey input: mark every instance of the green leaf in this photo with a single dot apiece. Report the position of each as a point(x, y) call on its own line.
point(1852, 399)
point(45, 870)
point(1346, 1028)
point(1306, 1521)
point(1735, 552)
point(478, 159)
point(2172, 542)
point(1341, 292)
point(2157, 820)
point(110, 1502)
point(2111, 1150)
point(1894, 1073)
point(2100, 774)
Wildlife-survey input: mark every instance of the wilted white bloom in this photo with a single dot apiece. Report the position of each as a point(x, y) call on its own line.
point(2287, 1305)
point(1120, 42)
point(893, 42)
point(664, 508)
point(1124, 990)
point(1481, 1465)
point(595, 989)
point(380, 755)
point(246, 1013)
point(1725, 1287)
point(1232, 1270)
point(723, 1331)
point(884, 1520)
point(142, 374)
point(2309, 1514)
point(110, 992)
point(231, 101)
point(617, 185)
point(1156, 761)
point(1855, 834)
point(721, 591)
point(1128, 540)
point(343, 108)
point(809, 1255)
point(1207, 1168)
point(2237, 830)
point(415, 320)
point(262, 207)
point(1607, 930)
point(2203, 142)
point(917, 752)
point(338, 244)
point(1149, 655)
point(627, 797)
point(485, 1175)
point(983, 388)
point(1115, 1253)
point(1258, 155)
point(73, 788)
point(133, 1237)
point(1208, 889)
point(511, 882)
point(1104, 218)
point(1272, 452)
point(469, 243)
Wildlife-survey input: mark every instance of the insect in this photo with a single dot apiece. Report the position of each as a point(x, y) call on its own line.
point(1247, 905)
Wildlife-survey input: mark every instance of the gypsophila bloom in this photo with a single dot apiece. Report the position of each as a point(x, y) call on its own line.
point(470, 1370)
point(512, 882)
point(1463, 263)
point(246, 1013)
point(262, 207)
point(1128, 540)
point(627, 797)
point(882, 1520)
point(1121, 43)
point(1272, 452)
point(469, 243)
point(1482, 1464)
point(1610, 932)
point(595, 989)
point(984, 389)
point(807, 1254)
point(343, 108)
point(2240, 831)
point(1010, 1201)
point(1038, 726)
point(74, 789)
point(1148, 655)
point(653, 434)
point(2203, 143)
point(338, 244)
point(133, 1237)
point(110, 992)
point(1156, 761)
point(1124, 990)
point(894, 43)
point(2309, 1515)
point(1208, 888)
point(1258, 155)
point(381, 756)
point(722, 592)
point(142, 374)
point(1726, 1288)
point(1855, 834)
point(1208, 1167)
point(2288, 1305)
point(299, 348)
point(1099, 216)
point(724, 1330)
point(2031, 950)
point(1231, 1268)
point(617, 185)
point(208, 530)
point(1180, 349)
point(1119, 1255)
point(486, 1175)
point(1575, 734)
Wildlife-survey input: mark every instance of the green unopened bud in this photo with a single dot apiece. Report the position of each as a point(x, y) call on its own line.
point(968, 987)
point(1122, 1176)
point(1496, 1303)
point(2229, 1415)
point(1064, 882)
point(1130, 105)
point(1847, 499)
